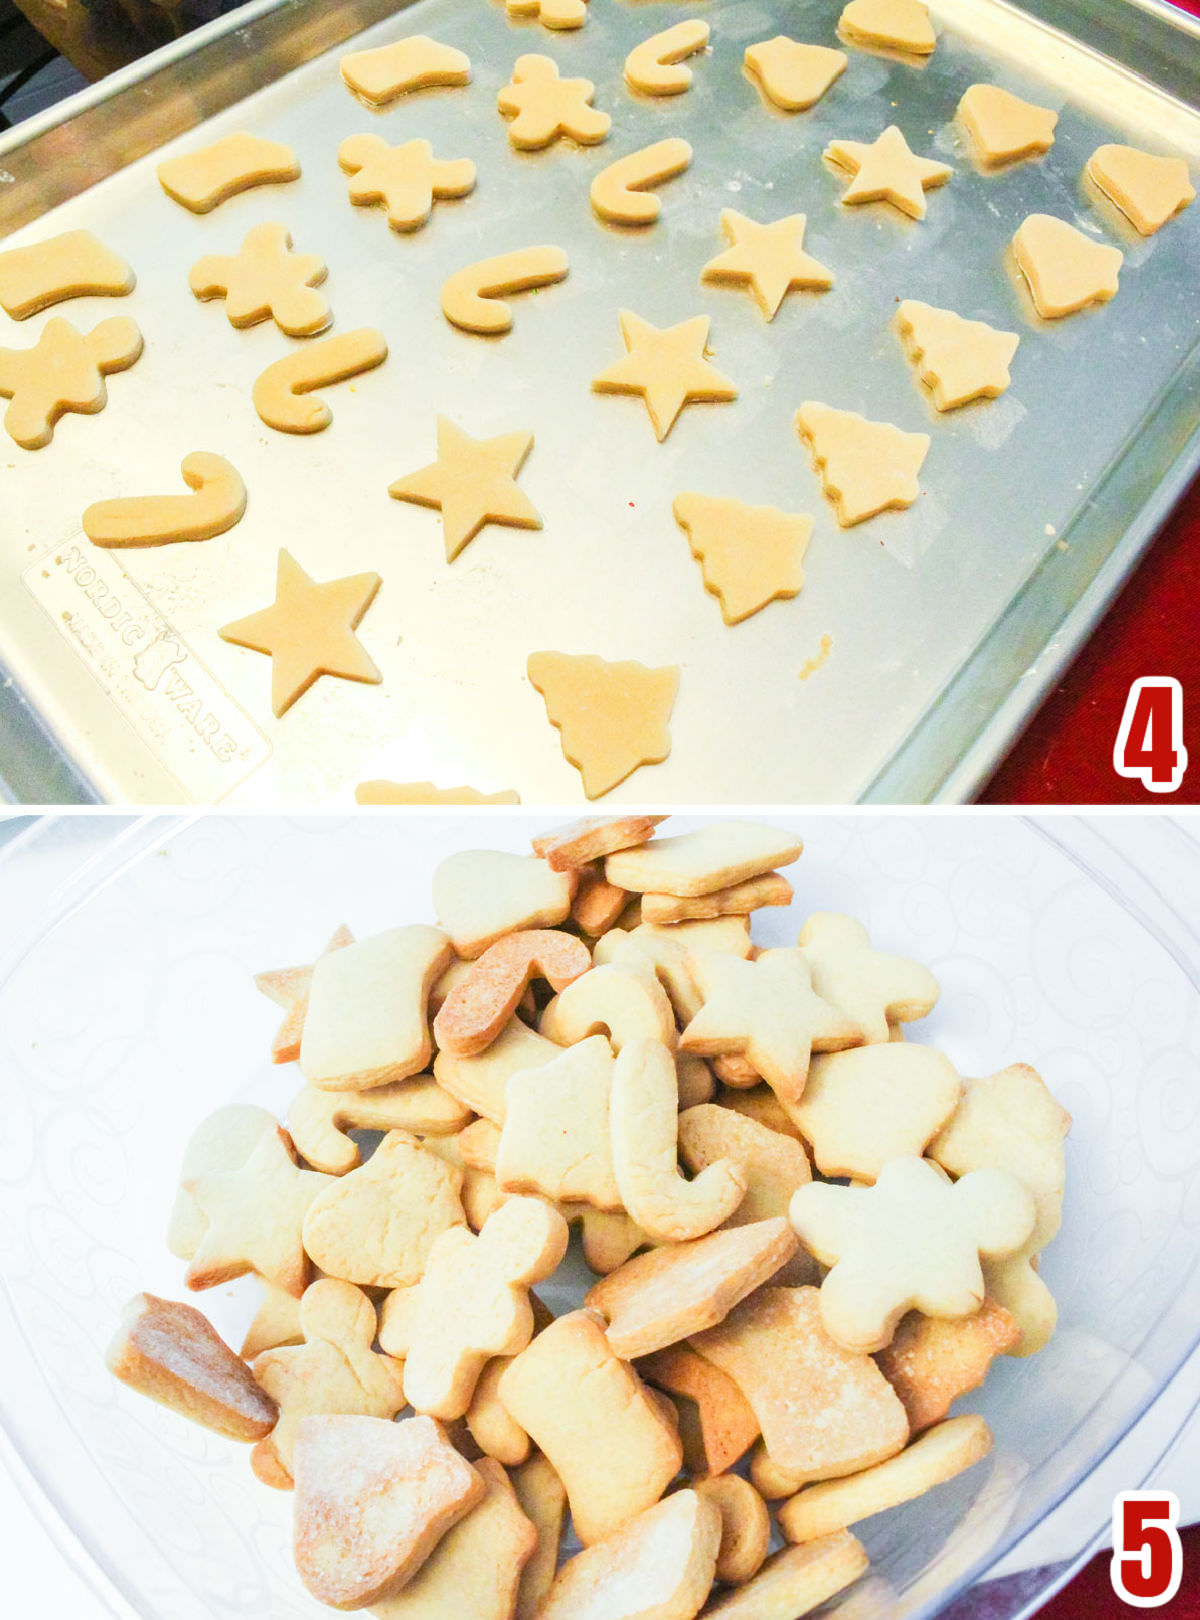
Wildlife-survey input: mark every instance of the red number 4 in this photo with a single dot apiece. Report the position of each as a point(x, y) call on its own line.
point(1149, 743)
point(1147, 1561)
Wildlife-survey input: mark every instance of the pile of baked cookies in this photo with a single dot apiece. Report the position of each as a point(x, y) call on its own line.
point(810, 1236)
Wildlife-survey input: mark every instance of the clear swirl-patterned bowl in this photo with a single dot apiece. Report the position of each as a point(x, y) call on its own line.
point(127, 1013)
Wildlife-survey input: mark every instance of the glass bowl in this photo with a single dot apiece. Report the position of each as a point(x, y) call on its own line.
point(127, 1013)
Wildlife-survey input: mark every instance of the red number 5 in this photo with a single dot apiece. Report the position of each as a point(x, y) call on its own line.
point(1147, 1561)
point(1149, 742)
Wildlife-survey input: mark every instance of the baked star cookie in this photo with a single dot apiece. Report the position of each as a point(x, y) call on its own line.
point(308, 631)
point(612, 717)
point(1148, 190)
point(866, 467)
point(1064, 269)
point(472, 483)
point(887, 170)
point(406, 179)
point(415, 63)
point(542, 107)
point(264, 280)
point(897, 25)
point(64, 371)
point(1003, 128)
point(748, 555)
point(913, 1241)
point(958, 360)
point(667, 367)
point(766, 259)
point(794, 75)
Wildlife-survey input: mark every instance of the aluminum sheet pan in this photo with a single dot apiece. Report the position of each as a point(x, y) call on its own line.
point(943, 620)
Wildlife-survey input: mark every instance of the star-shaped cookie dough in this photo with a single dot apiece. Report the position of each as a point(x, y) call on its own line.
point(288, 988)
point(866, 467)
point(255, 1216)
point(887, 170)
point(666, 365)
point(767, 1011)
point(543, 106)
point(958, 360)
point(766, 258)
point(612, 717)
point(308, 631)
point(472, 483)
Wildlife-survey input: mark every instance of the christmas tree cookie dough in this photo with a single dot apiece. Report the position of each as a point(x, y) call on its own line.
point(1002, 127)
point(656, 67)
point(1148, 190)
point(471, 296)
point(612, 717)
point(957, 360)
point(887, 170)
point(767, 259)
point(200, 180)
point(666, 366)
point(64, 371)
point(1064, 269)
point(749, 555)
point(896, 25)
point(415, 63)
point(75, 264)
point(384, 792)
point(216, 504)
point(866, 467)
point(406, 179)
point(623, 193)
point(308, 631)
point(792, 74)
point(543, 107)
point(472, 483)
point(264, 280)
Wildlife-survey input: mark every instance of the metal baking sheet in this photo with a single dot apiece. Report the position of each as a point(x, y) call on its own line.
point(944, 622)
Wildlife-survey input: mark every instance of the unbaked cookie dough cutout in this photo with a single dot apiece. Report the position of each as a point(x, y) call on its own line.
point(891, 25)
point(308, 631)
point(472, 297)
point(217, 502)
point(866, 467)
point(1148, 190)
point(64, 371)
point(625, 192)
point(472, 483)
point(748, 555)
point(406, 179)
point(264, 280)
point(657, 67)
point(75, 264)
point(381, 791)
point(887, 170)
point(543, 107)
point(1003, 128)
point(792, 74)
point(767, 259)
point(561, 15)
point(612, 718)
point(667, 367)
point(201, 180)
point(958, 360)
point(416, 63)
point(283, 394)
point(1064, 270)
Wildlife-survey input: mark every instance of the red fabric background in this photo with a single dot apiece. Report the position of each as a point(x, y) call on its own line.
point(1090, 1595)
point(1065, 755)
